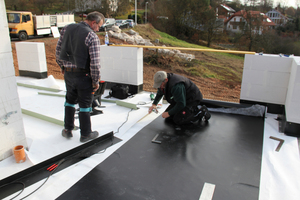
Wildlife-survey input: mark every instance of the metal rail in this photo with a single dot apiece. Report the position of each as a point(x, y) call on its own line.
point(186, 49)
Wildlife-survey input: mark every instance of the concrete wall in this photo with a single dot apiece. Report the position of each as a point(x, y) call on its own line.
point(122, 65)
point(31, 56)
point(32, 59)
point(11, 124)
point(273, 79)
point(292, 104)
point(266, 78)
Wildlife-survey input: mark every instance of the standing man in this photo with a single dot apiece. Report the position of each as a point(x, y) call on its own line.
point(184, 98)
point(78, 55)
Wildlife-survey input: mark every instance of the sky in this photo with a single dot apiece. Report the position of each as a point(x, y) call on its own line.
point(287, 3)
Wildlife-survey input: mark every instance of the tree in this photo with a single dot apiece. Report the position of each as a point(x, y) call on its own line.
point(105, 10)
point(290, 11)
point(238, 2)
point(138, 18)
point(41, 5)
point(12, 4)
point(123, 7)
point(251, 25)
point(18, 4)
point(212, 26)
point(80, 6)
point(266, 5)
point(87, 5)
point(181, 14)
point(235, 4)
point(215, 3)
point(297, 24)
point(205, 22)
point(188, 19)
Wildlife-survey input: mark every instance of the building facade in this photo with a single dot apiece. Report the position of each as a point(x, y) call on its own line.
point(239, 21)
point(277, 17)
point(224, 12)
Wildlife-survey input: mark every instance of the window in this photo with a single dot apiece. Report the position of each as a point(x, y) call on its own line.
point(27, 17)
point(13, 18)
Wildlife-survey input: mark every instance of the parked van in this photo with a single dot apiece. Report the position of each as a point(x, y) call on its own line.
point(108, 24)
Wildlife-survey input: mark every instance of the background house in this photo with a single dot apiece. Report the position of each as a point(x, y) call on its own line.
point(239, 20)
point(224, 11)
point(277, 17)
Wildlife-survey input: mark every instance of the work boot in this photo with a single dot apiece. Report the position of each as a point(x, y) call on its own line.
point(203, 114)
point(207, 115)
point(66, 133)
point(90, 136)
point(199, 115)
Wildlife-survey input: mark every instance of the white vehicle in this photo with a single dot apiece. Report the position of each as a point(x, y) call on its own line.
point(122, 23)
point(108, 24)
point(131, 23)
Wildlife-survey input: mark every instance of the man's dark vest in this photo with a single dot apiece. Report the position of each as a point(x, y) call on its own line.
point(73, 48)
point(191, 90)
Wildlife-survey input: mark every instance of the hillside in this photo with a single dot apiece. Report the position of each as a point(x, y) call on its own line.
point(217, 75)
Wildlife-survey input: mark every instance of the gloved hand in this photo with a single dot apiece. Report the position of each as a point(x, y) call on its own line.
point(153, 107)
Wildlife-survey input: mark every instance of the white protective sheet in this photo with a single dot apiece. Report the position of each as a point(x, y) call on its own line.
point(280, 171)
point(61, 181)
point(280, 177)
point(44, 138)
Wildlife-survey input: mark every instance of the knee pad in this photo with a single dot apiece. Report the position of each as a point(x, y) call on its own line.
point(85, 109)
point(183, 117)
point(70, 105)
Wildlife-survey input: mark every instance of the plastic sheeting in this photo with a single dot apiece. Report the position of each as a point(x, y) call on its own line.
point(255, 110)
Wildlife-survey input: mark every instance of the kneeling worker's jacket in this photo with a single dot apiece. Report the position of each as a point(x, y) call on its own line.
point(179, 91)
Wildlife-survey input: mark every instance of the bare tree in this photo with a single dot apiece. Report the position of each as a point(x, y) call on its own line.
point(104, 9)
point(123, 7)
point(291, 11)
point(266, 5)
point(189, 18)
point(80, 6)
point(18, 4)
point(297, 3)
point(252, 26)
point(213, 26)
point(41, 5)
point(12, 4)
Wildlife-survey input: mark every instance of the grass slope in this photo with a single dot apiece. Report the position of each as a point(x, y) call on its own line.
point(222, 66)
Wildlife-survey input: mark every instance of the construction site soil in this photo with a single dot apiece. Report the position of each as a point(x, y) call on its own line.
point(211, 88)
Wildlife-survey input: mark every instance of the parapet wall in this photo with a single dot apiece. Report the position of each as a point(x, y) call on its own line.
point(274, 80)
point(122, 65)
point(11, 123)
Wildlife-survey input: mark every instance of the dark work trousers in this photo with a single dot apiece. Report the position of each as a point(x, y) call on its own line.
point(79, 90)
point(186, 115)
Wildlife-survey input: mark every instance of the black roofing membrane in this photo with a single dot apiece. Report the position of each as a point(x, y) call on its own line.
point(225, 152)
